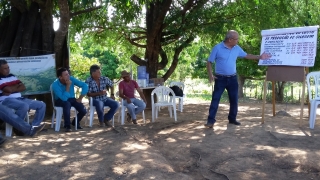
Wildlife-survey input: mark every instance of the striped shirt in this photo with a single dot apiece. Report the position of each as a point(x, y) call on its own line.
point(9, 80)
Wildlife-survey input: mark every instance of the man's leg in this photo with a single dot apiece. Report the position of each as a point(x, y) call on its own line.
point(219, 87)
point(19, 106)
point(232, 89)
point(131, 108)
point(140, 106)
point(80, 108)
point(40, 108)
point(99, 108)
point(66, 106)
point(14, 120)
point(2, 140)
point(114, 105)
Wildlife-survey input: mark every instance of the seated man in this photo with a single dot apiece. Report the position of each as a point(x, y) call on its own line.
point(15, 121)
point(10, 96)
point(97, 90)
point(126, 92)
point(63, 90)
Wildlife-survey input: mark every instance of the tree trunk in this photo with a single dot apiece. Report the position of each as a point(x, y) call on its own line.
point(47, 27)
point(16, 47)
point(61, 33)
point(241, 81)
point(6, 46)
point(279, 89)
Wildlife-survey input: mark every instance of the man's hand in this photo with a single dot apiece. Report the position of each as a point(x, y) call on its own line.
point(68, 82)
point(264, 56)
point(103, 92)
point(79, 100)
point(128, 100)
point(112, 97)
point(212, 78)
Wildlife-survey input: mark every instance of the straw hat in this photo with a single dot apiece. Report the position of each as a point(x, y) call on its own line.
point(124, 73)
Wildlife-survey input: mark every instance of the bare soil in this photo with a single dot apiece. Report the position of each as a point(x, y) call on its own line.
point(277, 149)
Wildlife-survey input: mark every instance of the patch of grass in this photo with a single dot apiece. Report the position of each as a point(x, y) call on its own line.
point(207, 97)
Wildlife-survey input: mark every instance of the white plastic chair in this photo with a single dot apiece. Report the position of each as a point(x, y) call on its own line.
point(163, 99)
point(122, 111)
point(181, 85)
point(9, 127)
point(313, 81)
point(91, 109)
point(57, 113)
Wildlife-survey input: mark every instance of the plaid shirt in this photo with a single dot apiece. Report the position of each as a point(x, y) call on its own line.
point(93, 87)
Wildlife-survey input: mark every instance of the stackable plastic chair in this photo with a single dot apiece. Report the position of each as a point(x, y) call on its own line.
point(313, 81)
point(181, 85)
point(57, 113)
point(163, 100)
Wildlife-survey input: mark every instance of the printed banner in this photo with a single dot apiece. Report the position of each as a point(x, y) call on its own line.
point(290, 46)
point(37, 73)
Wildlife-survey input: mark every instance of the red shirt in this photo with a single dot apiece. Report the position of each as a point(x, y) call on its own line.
point(128, 88)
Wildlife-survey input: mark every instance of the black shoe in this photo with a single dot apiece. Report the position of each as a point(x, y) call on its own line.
point(208, 125)
point(36, 129)
point(74, 122)
point(134, 121)
point(128, 118)
point(107, 123)
point(2, 142)
point(237, 123)
point(68, 130)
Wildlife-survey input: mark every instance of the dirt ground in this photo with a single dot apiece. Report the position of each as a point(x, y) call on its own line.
point(277, 149)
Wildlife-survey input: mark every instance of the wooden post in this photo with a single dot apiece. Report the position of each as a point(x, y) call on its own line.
point(302, 102)
point(273, 99)
point(264, 98)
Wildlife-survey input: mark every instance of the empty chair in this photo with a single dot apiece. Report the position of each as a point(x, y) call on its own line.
point(313, 81)
point(163, 100)
point(180, 85)
point(91, 109)
point(57, 114)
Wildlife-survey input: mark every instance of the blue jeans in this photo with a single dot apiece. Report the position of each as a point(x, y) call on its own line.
point(66, 106)
point(114, 105)
point(22, 105)
point(131, 107)
point(222, 83)
point(14, 120)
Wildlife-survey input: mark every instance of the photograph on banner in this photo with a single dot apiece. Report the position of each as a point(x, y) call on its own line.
point(290, 46)
point(35, 72)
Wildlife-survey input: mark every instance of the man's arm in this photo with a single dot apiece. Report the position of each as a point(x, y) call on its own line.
point(263, 56)
point(141, 95)
point(121, 95)
point(61, 94)
point(209, 69)
point(14, 88)
point(82, 85)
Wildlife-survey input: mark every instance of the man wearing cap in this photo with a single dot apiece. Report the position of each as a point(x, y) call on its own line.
point(97, 90)
point(126, 92)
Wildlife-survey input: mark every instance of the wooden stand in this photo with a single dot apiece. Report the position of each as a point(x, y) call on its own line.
point(147, 94)
point(283, 73)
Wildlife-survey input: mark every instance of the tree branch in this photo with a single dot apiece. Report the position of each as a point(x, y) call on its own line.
point(84, 11)
point(20, 5)
point(138, 60)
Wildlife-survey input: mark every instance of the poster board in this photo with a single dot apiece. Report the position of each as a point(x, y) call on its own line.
point(290, 46)
point(36, 72)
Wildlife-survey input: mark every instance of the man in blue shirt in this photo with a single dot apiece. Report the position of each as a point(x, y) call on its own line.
point(225, 55)
point(63, 89)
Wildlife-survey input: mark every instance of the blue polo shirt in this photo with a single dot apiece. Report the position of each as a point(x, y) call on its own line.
point(225, 58)
point(59, 89)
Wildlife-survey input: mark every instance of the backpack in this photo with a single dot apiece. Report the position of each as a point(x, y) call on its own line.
point(177, 91)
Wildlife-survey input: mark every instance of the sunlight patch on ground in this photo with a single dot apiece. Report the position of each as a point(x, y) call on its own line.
point(134, 146)
point(135, 168)
point(171, 140)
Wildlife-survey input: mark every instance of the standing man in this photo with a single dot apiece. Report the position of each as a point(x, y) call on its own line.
point(10, 96)
point(63, 89)
point(126, 92)
point(225, 55)
point(98, 86)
